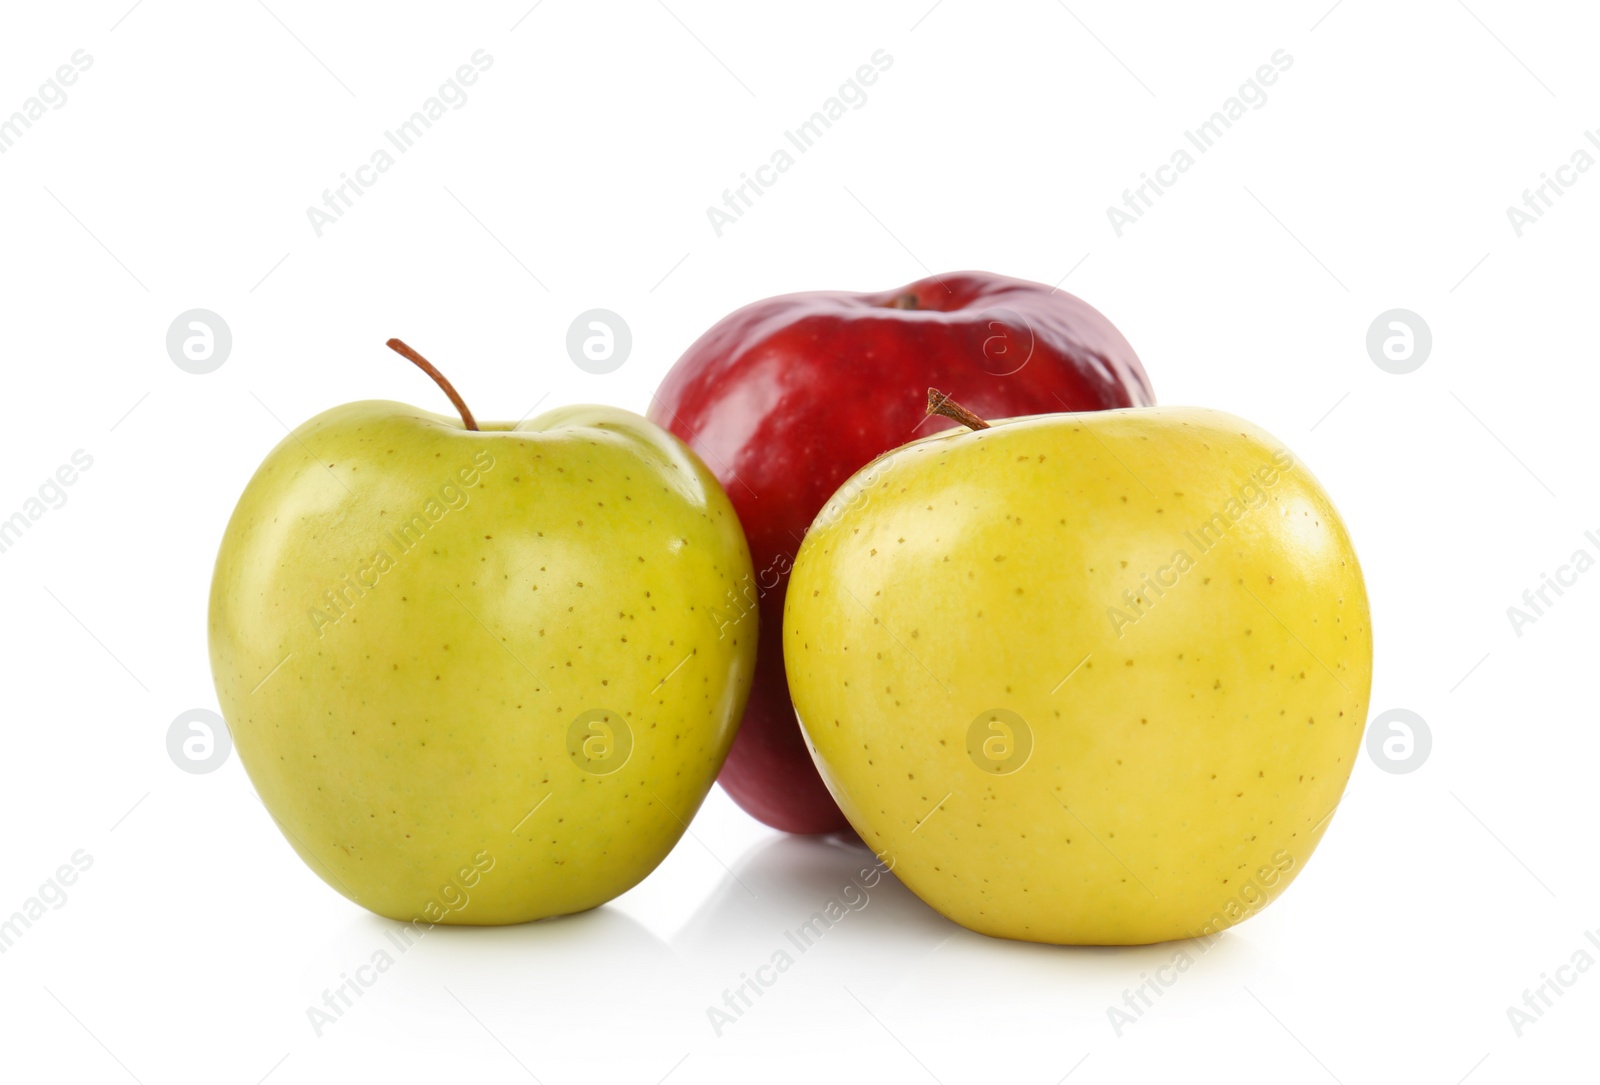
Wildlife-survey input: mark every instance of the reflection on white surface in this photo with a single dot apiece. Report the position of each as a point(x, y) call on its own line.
point(799, 915)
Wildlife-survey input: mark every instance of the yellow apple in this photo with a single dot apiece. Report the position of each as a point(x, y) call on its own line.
point(1084, 678)
point(481, 676)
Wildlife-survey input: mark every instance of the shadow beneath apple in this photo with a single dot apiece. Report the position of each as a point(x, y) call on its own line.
point(570, 945)
point(826, 899)
point(797, 892)
point(527, 974)
point(1087, 963)
point(1078, 996)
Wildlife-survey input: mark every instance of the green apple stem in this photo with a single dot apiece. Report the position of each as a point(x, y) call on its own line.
point(939, 403)
point(439, 378)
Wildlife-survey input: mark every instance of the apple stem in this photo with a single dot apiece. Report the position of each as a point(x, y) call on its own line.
point(939, 403)
point(439, 378)
point(908, 300)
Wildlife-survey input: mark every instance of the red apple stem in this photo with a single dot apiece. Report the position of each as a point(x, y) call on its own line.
point(941, 404)
point(439, 378)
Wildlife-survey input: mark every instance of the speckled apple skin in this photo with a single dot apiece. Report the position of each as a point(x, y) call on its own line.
point(1190, 739)
point(401, 697)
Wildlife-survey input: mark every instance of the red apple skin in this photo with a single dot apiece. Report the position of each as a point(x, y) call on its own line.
point(786, 398)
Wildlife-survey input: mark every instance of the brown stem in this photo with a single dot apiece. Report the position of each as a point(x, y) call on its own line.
point(908, 300)
point(939, 403)
point(438, 378)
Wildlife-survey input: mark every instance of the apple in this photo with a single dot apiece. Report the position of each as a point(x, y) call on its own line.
point(788, 397)
point(473, 673)
point(1084, 678)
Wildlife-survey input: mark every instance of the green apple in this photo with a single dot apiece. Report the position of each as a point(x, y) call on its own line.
point(1084, 678)
point(481, 676)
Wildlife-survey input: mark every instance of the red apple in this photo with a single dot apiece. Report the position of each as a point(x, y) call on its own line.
point(787, 398)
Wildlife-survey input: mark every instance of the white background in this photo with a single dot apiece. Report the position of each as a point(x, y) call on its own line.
point(1377, 175)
